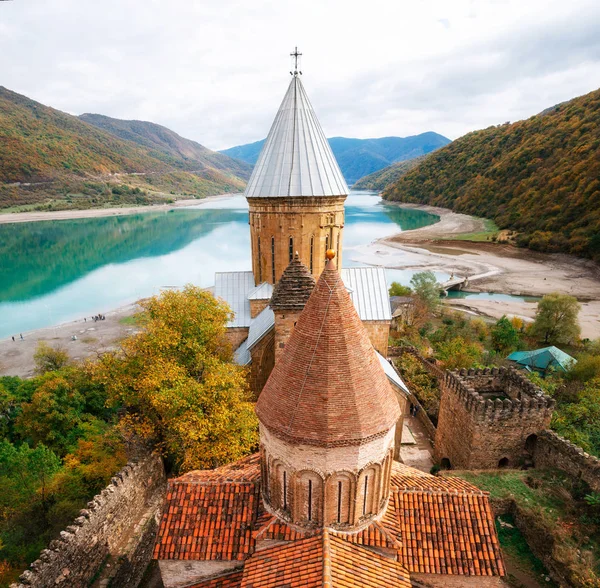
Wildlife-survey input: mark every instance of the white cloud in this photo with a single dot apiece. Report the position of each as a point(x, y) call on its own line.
point(216, 71)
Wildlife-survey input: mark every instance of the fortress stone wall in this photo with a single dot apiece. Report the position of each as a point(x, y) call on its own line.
point(553, 451)
point(489, 418)
point(118, 527)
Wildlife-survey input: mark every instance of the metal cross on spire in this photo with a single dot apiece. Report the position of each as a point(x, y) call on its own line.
point(296, 55)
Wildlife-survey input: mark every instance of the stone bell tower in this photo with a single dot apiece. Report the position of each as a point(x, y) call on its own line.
point(327, 418)
point(296, 192)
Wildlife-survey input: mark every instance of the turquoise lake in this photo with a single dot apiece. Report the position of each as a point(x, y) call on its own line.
point(52, 272)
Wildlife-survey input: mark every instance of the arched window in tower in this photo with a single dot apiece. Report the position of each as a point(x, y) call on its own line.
point(310, 499)
point(365, 494)
point(284, 488)
point(326, 245)
point(312, 247)
point(340, 495)
point(259, 261)
point(291, 249)
point(273, 259)
point(337, 257)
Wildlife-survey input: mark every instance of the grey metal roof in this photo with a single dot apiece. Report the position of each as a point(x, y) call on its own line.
point(242, 355)
point(369, 292)
point(391, 373)
point(296, 159)
point(260, 326)
point(233, 288)
point(263, 291)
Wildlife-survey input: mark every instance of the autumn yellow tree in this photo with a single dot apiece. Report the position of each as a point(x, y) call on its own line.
point(178, 384)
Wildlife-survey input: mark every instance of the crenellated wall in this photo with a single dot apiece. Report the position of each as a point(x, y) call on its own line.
point(119, 524)
point(552, 451)
point(487, 416)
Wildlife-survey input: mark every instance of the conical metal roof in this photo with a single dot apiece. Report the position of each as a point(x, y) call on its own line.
point(296, 159)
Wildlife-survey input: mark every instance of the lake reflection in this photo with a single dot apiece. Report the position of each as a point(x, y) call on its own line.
point(56, 271)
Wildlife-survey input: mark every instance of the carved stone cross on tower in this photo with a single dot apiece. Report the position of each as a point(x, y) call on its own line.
point(296, 55)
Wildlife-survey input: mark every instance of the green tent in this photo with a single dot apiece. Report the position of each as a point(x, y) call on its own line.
point(542, 359)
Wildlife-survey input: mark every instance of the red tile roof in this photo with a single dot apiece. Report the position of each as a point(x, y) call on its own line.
point(322, 560)
point(246, 469)
point(448, 533)
point(278, 530)
point(208, 521)
point(328, 387)
point(436, 525)
point(230, 580)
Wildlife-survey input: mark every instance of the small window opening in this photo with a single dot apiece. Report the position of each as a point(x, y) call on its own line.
point(273, 258)
point(312, 246)
point(339, 505)
point(365, 495)
point(259, 263)
point(310, 500)
point(503, 463)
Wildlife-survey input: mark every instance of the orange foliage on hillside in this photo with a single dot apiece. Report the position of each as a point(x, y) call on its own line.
point(540, 177)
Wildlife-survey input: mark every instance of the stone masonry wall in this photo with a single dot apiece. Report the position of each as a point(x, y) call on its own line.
point(285, 321)
point(553, 451)
point(379, 333)
point(314, 224)
point(109, 528)
point(257, 306)
point(263, 360)
point(476, 433)
point(236, 336)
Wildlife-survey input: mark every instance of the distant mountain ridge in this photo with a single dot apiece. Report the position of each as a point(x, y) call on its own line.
point(48, 155)
point(360, 157)
point(539, 177)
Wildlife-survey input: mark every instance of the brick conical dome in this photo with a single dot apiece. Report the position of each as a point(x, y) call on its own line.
point(294, 287)
point(328, 387)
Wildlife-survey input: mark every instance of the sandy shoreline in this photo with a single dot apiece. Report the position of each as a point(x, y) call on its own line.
point(93, 338)
point(29, 217)
point(491, 267)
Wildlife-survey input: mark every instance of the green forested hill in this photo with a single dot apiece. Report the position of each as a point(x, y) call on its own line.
point(47, 155)
point(168, 145)
point(540, 177)
point(389, 175)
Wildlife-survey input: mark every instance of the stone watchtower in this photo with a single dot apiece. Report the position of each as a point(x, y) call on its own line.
point(296, 193)
point(327, 418)
point(489, 418)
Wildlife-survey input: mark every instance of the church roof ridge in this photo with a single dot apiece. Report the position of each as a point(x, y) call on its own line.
point(328, 387)
point(296, 159)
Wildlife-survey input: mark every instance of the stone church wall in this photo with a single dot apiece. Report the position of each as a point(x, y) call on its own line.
point(379, 333)
point(236, 336)
point(553, 451)
point(119, 525)
point(263, 360)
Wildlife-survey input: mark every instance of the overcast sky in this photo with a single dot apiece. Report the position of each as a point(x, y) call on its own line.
point(216, 70)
